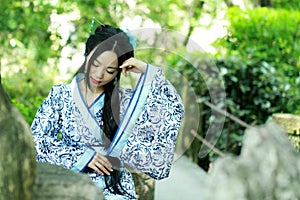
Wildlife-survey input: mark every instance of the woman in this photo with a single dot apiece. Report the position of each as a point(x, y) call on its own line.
point(93, 126)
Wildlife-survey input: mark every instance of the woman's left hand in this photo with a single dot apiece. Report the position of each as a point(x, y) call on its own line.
point(133, 65)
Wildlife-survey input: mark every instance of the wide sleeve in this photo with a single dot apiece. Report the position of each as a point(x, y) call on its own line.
point(51, 144)
point(151, 146)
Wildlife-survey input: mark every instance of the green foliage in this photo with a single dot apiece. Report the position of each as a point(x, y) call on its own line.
point(267, 37)
point(169, 13)
point(260, 67)
point(23, 18)
point(31, 48)
point(29, 33)
point(253, 93)
point(264, 34)
point(290, 5)
point(25, 94)
point(253, 89)
point(28, 107)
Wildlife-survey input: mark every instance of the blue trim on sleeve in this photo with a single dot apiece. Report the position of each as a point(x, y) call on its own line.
point(83, 161)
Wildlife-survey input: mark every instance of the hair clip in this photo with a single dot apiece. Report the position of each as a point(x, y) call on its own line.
point(92, 28)
point(98, 21)
point(115, 44)
point(93, 23)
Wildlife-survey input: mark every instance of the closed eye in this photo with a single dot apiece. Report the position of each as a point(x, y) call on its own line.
point(96, 63)
point(111, 69)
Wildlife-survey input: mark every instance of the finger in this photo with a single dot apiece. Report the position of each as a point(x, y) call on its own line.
point(98, 170)
point(104, 161)
point(102, 170)
point(125, 69)
point(124, 72)
point(93, 166)
point(127, 62)
point(107, 165)
point(129, 67)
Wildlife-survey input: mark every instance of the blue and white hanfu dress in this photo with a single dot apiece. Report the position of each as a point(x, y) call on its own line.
point(68, 133)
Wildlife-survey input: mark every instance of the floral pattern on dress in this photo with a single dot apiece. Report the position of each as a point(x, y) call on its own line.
point(151, 146)
point(59, 115)
point(61, 135)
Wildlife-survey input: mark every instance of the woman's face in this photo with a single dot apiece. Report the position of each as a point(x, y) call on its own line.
point(103, 69)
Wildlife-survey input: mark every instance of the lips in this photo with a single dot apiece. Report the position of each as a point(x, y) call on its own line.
point(95, 81)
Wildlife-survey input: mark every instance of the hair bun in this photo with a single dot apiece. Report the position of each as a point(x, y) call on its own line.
point(107, 29)
point(109, 35)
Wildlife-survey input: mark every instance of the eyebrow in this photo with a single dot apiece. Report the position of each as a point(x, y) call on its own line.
point(112, 67)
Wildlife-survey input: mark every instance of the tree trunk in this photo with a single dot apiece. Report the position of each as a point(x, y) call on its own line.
point(229, 3)
point(266, 3)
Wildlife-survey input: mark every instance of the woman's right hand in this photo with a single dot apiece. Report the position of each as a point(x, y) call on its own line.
point(100, 164)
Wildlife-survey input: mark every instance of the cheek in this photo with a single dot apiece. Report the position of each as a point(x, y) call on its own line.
point(110, 77)
point(93, 70)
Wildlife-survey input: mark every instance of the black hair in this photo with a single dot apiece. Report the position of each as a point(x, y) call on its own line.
point(108, 38)
point(105, 39)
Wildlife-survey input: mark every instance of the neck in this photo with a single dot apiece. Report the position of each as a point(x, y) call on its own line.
point(95, 91)
point(90, 94)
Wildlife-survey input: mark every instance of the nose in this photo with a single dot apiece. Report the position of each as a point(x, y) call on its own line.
point(99, 73)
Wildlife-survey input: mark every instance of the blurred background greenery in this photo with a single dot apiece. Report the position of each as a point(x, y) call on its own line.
point(253, 55)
